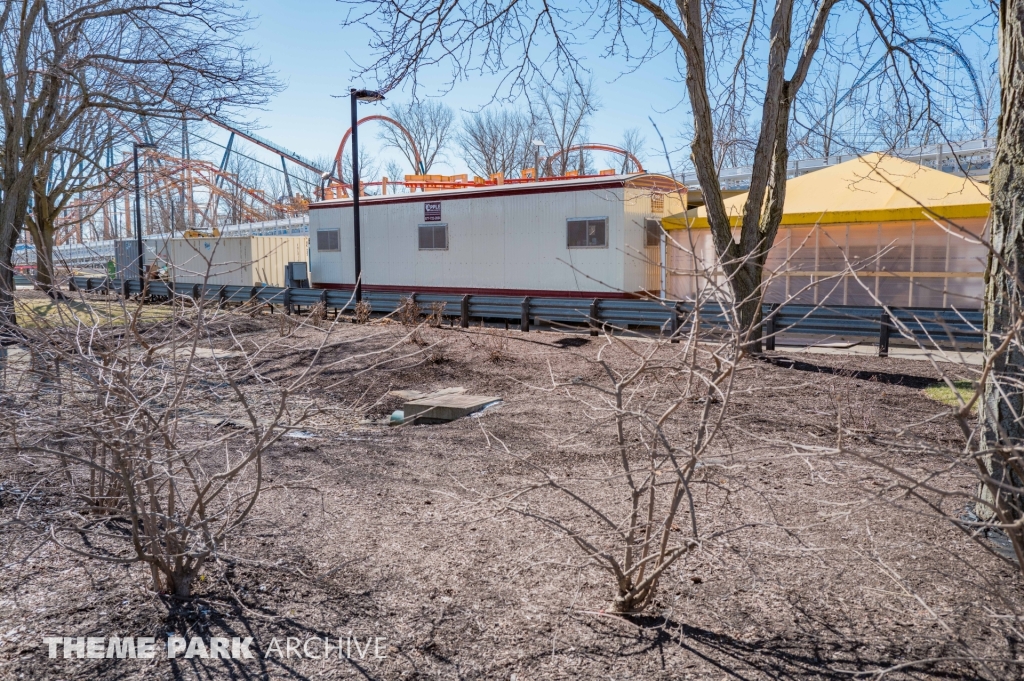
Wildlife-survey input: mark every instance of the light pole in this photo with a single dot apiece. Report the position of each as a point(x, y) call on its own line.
point(323, 181)
point(358, 96)
point(537, 144)
point(138, 213)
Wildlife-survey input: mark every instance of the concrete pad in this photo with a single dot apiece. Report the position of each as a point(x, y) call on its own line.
point(410, 395)
point(443, 408)
point(184, 352)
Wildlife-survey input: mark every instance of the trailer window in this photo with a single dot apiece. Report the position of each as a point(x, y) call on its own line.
point(433, 237)
point(653, 232)
point(587, 232)
point(328, 239)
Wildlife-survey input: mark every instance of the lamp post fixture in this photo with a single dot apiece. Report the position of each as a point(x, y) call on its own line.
point(537, 144)
point(138, 213)
point(323, 181)
point(358, 96)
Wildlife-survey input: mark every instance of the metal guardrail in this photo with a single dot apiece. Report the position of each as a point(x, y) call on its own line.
point(942, 327)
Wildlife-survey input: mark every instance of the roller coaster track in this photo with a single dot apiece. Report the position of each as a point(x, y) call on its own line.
point(252, 137)
point(941, 42)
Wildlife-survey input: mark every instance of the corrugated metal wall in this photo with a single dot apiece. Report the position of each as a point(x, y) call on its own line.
point(515, 241)
point(235, 261)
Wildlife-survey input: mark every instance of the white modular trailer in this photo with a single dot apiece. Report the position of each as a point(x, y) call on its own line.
point(230, 260)
point(571, 237)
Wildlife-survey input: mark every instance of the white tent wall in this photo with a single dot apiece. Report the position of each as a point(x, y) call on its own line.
point(912, 263)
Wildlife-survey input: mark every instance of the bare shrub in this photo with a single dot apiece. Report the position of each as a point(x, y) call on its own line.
point(655, 409)
point(362, 312)
point(436, 317)
point(496, 346)
point(147, 437)
point(408, 312)
point(318, 314)
point(286, 325)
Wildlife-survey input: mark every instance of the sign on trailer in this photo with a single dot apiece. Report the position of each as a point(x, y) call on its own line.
point(432, 211)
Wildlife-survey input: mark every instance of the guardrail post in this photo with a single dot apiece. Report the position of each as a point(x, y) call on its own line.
point(884, 322)
point(594, 316)
point(287, 301)
point(465, 312)
point(524, 320)
point(770, 328)
point(676, 323)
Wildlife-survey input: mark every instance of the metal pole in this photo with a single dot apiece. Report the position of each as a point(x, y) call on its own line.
point(138, 219)
point(355, 199)
point(287, 180)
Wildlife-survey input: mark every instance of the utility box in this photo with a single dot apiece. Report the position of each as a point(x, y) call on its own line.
point(126, 253)
point(296, 275)
point(233, 260)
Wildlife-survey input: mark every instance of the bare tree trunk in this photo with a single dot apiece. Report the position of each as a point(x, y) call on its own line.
point(40, 225)
point(13, 206)
point(1004, 393)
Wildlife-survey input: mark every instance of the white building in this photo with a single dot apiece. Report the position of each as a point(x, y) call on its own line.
point(587, 236)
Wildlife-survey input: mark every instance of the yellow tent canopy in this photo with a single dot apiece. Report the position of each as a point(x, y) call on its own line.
point(871, 188)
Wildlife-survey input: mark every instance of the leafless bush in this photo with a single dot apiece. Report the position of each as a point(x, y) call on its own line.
point(656, 408)
point(408, 312)
point(146, 432)
point(318, 314)
point(436, 317)
point(363, 310)
point(496, 346)
point(286, 324)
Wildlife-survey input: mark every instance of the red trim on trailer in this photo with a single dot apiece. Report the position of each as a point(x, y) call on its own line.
point(459, 194)
point(470, 192)
point(510, 292)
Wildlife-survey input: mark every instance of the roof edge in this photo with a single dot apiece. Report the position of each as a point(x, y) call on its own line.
point(596, 182)
point(970, 210)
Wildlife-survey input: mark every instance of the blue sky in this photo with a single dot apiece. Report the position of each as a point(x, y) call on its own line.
point(315, 59)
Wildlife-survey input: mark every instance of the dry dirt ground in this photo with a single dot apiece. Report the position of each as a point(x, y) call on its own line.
point(378, 533)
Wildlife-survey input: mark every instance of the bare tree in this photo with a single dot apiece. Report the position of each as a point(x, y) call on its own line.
point(61, 60)
point(1003, 404)
point(634, 142)
point(411, 35)
point(563, 114)
point(393, 171)
point(430, 125)
point(497, 142)
point(71, 173)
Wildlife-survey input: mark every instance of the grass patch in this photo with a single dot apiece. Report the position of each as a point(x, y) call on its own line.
point(36, 310)
point(940, 392)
